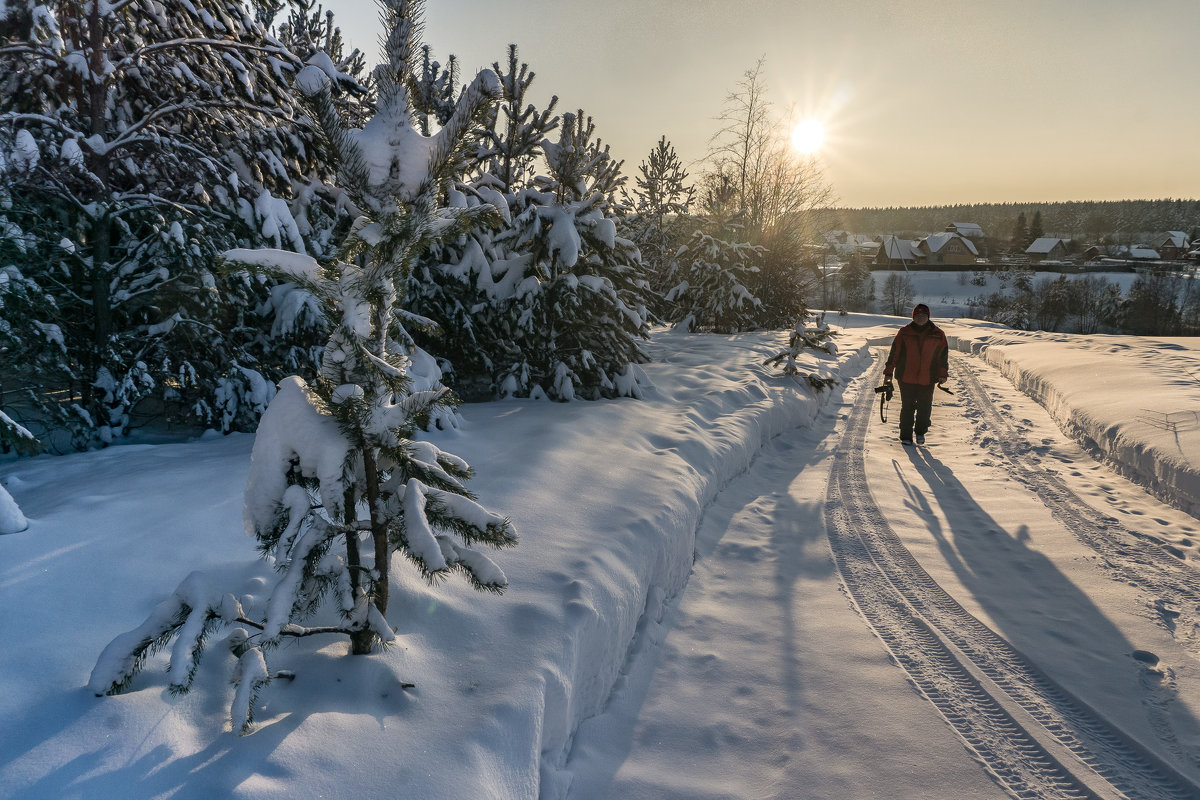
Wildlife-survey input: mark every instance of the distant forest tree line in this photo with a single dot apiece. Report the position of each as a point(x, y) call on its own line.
point(1112, 222)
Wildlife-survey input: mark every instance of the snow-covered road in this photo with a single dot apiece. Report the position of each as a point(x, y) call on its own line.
point(1047, 640)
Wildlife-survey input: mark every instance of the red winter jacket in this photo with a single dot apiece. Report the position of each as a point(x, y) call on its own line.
point(919, 355)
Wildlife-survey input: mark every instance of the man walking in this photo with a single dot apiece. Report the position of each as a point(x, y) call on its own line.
point(919, 359)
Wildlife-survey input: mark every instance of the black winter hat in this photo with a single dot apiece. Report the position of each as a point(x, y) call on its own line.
point(921, 307)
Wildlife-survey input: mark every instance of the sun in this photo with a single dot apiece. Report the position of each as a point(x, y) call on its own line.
point(808, 136)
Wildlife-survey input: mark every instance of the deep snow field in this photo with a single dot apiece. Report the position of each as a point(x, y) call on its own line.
point(688, 613)
point(948, 294)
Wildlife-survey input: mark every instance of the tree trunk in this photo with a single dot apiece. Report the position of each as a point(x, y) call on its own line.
point(101, 227)
point(360, 641)
point(378, 533)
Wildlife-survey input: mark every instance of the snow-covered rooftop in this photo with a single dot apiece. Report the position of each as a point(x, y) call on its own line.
point(936, 241)
point(1043, 244)
point(895, 247)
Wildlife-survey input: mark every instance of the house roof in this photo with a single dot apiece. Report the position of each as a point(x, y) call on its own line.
point(936, 241)
point(1043, 244)
point(1177, 238)
point(895, 247)
point(968, 228)
point(1142, 252)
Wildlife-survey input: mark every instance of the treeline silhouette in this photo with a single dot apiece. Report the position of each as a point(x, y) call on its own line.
point(1114, 220)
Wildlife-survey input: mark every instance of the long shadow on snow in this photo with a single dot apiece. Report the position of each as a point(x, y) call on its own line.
point(1015, 584)
point(228, 761)
point(797, 533)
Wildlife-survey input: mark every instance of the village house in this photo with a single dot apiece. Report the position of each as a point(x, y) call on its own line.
point(848, 245)
point(946, 249)
point(895, 252)
point(968, 229)
point(1173, 245)
point(1047, 248)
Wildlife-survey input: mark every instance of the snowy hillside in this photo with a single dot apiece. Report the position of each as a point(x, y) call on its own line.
point(734, 588)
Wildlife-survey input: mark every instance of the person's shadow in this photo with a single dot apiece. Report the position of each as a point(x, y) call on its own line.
point(1042, 613)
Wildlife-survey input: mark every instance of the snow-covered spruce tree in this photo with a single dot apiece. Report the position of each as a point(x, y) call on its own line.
point(578, 312)
point(711, 294)
point(149, 136)
point(33, 355)
point(335, 472)
point(309, 33)
point(801, 359)
point(466, 284)
point(660, 224)
point(711, 274)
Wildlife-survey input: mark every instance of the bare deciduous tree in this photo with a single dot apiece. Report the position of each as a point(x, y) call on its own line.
point(897, 294)
point(774, 195)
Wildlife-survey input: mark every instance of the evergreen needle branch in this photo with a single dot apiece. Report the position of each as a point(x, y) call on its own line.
point(225, 44)
point(296, 631)
point(14, 116)
point(130, 134)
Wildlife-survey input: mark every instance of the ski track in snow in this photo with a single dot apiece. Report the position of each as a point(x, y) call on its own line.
point(1033, 736)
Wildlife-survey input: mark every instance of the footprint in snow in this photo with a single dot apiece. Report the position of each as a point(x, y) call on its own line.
point(1146, 657)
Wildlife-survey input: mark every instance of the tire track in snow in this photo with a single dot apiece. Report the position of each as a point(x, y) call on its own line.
point(1125, 553)
point(1036, 739)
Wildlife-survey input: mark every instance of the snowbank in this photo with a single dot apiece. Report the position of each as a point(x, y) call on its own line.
point(1131, 400)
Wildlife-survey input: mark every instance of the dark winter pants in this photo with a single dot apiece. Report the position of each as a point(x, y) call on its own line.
point(915, 400)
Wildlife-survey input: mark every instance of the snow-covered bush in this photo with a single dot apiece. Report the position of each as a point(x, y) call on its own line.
point(11, 518)
point(801, 359)
point(338, 484)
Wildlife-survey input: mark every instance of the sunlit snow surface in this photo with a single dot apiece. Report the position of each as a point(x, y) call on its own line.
point(674, 625)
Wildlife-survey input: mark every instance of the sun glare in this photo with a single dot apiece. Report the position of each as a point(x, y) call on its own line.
point(808, 136)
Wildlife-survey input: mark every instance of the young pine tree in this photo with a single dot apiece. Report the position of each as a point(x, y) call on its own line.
point(338, 485)
point(710, 276)
point(809, 348)
point(661, 220)
point(712, 293)
point(574, 323)
point(464, 285)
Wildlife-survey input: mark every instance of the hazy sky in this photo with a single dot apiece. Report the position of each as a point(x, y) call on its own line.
point(924, 101)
